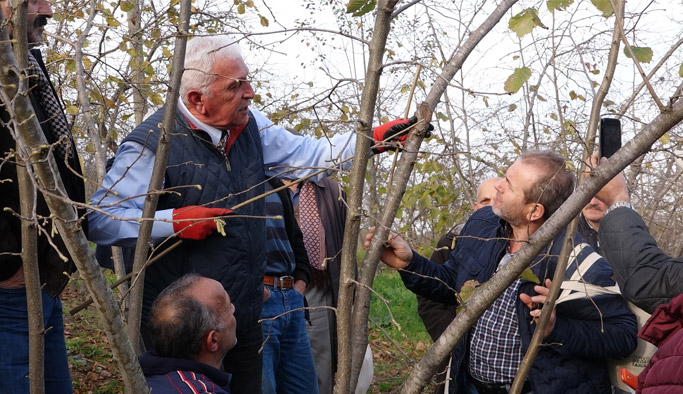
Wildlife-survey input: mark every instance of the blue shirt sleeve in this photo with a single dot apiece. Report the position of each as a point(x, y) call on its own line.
point(287, 155)
point(121, 199)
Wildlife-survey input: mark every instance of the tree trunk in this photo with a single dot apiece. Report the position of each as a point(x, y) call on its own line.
point(405, 166)
point(346, 378)
point(161, 159)
point(34, 298)
point(65, 217)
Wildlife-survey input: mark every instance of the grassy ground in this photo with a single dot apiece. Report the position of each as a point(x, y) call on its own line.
point(93, 369)
point(396, 345)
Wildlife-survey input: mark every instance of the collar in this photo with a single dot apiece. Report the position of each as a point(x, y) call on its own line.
point(213, 132)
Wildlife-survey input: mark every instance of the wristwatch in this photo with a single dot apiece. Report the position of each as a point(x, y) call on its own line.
point(618, 204)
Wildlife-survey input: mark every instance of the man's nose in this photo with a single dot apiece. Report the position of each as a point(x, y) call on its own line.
point(248, 92)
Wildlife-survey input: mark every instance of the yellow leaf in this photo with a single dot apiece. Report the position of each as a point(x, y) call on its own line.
point(529, 276)
point(517, 79)
point(71, 110)
point(220, 226)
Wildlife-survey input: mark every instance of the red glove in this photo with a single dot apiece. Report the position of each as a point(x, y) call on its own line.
point(196, 229)
point(396, 130)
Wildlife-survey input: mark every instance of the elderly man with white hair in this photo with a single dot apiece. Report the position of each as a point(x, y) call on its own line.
point(220, 153)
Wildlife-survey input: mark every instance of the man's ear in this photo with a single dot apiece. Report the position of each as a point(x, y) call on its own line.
point(196, 101)
point(537, 212)
point(211, 341)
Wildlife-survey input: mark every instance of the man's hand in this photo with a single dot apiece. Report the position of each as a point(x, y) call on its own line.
point(300, 286)
point(534, 302)
point(615, 190)
point(396, 253)
point(396, 130)
point(195, 222)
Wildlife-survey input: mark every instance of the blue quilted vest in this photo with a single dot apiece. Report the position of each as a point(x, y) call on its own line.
point(237, 259)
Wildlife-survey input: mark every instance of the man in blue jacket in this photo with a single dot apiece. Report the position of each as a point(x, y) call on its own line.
point(581, 332)
point(193, 324)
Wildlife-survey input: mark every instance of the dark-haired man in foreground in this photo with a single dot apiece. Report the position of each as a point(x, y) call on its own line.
point(193, 324)
point(580, 333)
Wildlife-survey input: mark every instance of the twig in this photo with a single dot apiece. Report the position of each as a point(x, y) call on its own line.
point(619, 23)
point(405, 116)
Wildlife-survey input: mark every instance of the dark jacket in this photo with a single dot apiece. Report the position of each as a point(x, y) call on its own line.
point(237, 259)
point(646, 276)
point(572, 357)
point(664, 373)
point(177, 376)
point(332, 210)
point(589, 235)
point(435, 315)
point(52, 268)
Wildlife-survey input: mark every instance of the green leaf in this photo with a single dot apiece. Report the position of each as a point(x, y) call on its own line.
point(71, 65)
point(559, 5)
point(71, 110)
point(360, 7)
point(529, 276)
point(572, 95)
point(525, 21)
point(604, 6)
point(264, 21)
point(355, 5)
point(111, 21)
point(680, 71)
point(665, 139)
point(241, 8)
point(512, 107)
point(643, 54)
point(126, 6)
point(517, 79)
point(156, 99)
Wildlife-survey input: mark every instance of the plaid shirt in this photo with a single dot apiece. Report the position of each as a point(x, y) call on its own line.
point(495, 344)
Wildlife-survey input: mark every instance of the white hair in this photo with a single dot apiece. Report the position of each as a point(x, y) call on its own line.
point(200, 56)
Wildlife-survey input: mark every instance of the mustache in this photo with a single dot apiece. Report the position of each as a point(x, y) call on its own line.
point(40, 21)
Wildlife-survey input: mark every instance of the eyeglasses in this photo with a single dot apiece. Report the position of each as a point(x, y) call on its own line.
point(238, 84)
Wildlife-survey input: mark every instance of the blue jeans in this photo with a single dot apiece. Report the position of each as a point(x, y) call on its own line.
point(14, 344)
point(288, 365)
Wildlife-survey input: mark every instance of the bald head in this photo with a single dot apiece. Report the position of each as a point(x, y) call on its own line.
point(485, 193)
point(193, 319)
